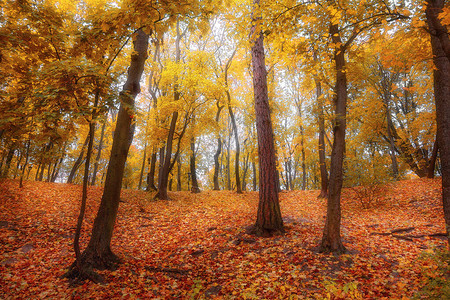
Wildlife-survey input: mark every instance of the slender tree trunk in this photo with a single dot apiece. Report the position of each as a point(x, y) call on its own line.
point(440, 45)
point(179, 174)
point(254, 176)
point(46, 149)
point(244, 173)
point(17, 168)
point(151, 174)
point(217, 164)
point(234, 126)
point(322, 152)
point(163, 179)
point(228, 164)
point(78, 162)
point(24, 167)
point(238, 151)
point(218, 151)
point(98, 253)
point(432, 164)
point(331, 239)
point(164, 173)
point(99, 154)
point(268, 219)
point(195, 188)
point(142, 167)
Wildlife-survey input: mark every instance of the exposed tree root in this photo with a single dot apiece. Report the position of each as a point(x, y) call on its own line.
point(84, 270)
point(407, 237)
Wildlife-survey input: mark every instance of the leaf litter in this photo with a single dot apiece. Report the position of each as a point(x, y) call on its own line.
point(196, 245)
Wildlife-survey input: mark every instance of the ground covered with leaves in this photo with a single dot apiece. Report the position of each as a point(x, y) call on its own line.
point(195, 246)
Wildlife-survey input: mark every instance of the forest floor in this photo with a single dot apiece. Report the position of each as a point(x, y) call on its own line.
point(195, 246)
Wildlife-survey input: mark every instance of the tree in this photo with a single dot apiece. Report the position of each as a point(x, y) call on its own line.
point(98, 253)
point(440, 44)
point(268, 219)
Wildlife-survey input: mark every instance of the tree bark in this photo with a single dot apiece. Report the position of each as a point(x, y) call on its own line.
point(179, 174)
point(331, 239)
point(78, 162)
point(163, 179)
point(440, 45)
point(254, 176)
point(99, 154)
point(9, 158)
point(151, 174)
point(195, 188)
point(141, 174)
point(432, 164)
point(98, 253)
point(268, 219)
point(322, 152)
point(234, 126)
point(218, 151)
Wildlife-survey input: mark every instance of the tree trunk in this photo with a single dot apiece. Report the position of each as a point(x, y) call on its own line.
point(151, 174)
point(234, 126)
point(25, 164)
point(195, 188)
point(98, 253)
point(238, 151)
point(163, 179)
point(331, 239)
point(268, 219)
point(228, 163)
point(17, 168)
point(440, 45)
point(78, 162)
point(432, 164)
point(99, 154)
point(217, 165)
point(254, 175)
point(141, 174)
point(218, 151)
point(179, 174)
point(9, 158)
point(322, 152)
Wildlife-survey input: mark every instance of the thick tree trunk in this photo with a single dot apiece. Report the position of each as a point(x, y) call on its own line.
point(331, 239)
point(268, 219)
point(440, 44)
point(98, 253)
point(99, 154)
point(9, 158)
point(195, 188)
